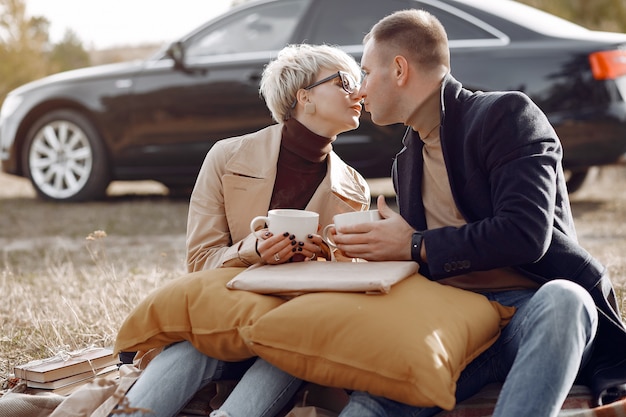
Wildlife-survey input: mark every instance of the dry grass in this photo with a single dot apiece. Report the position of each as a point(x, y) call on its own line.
point(67, 305)
point(66, 287)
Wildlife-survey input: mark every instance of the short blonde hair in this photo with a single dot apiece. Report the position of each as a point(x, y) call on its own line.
point(296, 67)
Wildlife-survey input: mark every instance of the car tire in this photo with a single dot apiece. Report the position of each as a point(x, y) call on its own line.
point(575, 179)
point(65, 159)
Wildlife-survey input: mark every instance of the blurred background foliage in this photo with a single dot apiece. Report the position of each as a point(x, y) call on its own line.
point(605, 15)
point(26, 52)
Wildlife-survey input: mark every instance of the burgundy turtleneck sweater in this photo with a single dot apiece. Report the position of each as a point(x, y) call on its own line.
point(301, 166)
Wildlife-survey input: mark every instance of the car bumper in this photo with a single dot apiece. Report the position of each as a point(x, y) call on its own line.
point(8, 162)
point(593, 138)
point(8, 153)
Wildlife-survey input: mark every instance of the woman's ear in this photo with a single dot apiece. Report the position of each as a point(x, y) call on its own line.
point(302, 96)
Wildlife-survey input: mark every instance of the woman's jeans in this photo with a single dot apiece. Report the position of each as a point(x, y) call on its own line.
point(173, 377)
point(537, 356)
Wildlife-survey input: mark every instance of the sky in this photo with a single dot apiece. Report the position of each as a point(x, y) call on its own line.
point(102, 24)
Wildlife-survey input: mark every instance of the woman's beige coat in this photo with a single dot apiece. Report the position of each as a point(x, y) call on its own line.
point(235, 185)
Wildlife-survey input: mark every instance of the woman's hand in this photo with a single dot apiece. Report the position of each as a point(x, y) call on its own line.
point(283, 248)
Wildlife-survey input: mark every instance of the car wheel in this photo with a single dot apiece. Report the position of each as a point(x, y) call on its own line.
point(575, 178)
point(65, 159)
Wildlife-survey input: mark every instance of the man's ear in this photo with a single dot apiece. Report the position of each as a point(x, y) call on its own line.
point(401, 69)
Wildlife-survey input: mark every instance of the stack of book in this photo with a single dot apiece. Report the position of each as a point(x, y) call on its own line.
point(63, 373)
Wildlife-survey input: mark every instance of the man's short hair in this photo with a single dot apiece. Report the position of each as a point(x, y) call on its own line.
point(416, 34)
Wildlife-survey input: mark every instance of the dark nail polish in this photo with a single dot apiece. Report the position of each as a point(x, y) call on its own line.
point(286, 234)
point(293, 249)
point(293, 242)
point(299, 249)
point(292, 237)
point(300, 243)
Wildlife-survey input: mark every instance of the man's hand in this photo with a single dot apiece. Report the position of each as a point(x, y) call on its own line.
point(388, 239)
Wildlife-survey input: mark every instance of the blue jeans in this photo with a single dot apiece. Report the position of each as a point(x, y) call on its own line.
point(537, 356)
point(173, 377)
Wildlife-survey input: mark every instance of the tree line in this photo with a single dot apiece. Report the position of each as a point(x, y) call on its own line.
point(604, 15)
point(26, 52)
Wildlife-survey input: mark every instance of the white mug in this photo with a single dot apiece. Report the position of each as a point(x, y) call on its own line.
point(300, 223)
point(346, 219)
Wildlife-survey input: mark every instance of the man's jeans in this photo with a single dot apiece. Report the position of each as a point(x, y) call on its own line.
point(537, 356)
point(173, 377)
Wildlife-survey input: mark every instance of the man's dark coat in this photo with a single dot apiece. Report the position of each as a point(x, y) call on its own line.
point(503, 160)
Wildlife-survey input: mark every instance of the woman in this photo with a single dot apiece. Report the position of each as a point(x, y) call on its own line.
point(312, 92)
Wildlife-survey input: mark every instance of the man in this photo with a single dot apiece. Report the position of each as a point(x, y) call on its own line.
point(483, 206)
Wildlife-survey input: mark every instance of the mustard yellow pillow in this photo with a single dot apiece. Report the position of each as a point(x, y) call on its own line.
point(199, 308)
point(409, 345)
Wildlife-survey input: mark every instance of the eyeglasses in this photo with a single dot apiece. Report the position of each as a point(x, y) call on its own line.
point(348, 83)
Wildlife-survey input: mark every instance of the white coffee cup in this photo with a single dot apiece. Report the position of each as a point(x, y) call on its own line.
point(300, 223)
point(347, 219)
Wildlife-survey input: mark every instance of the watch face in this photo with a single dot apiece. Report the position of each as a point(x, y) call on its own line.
point(416, 246)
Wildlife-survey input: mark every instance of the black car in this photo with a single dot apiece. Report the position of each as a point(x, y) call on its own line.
point(74, 132)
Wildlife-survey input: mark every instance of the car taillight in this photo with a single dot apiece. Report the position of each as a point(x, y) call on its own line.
point(608, 65)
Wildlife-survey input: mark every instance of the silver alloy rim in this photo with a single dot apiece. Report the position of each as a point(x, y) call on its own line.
point(60, 159)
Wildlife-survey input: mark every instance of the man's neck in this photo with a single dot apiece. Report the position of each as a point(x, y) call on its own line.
point(426, 116)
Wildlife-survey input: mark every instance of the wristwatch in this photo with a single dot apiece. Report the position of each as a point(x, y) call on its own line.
point(416, 246)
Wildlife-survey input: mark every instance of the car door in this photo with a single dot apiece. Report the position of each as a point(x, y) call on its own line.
point(178, 113)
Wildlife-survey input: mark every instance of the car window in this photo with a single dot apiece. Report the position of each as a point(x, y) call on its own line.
point(457, 26)
point(265, 27)
point(346, 22)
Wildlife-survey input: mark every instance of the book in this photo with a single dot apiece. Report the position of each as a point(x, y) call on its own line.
point(60, 383)
point(109, 373)
point(64, 366)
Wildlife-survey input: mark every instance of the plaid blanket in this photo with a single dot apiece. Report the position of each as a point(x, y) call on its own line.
point(577, 404)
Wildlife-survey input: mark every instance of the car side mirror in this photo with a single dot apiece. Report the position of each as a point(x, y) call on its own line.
point(176, 51)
